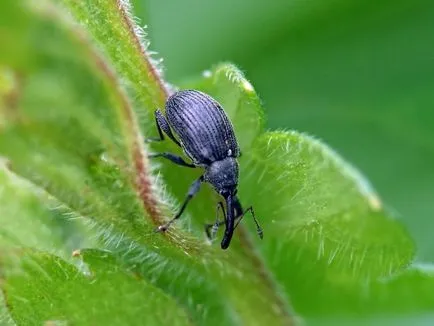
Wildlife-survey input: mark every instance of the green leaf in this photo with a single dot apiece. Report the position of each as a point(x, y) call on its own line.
point(407, 292)
point(397, 300)
point(71, 114)
point(28, 221)
point(114, 30)
point(324, 226)
point(72, 129)
point(5, 317)
point(73, 132)
point(40, 288)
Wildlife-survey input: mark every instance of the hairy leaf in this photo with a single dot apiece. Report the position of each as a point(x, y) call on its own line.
point(112, 27)
point(74, 114)
point(320, 217)
point(40, 288)
point(323, 219)
point(27, 219)
point(73, 132)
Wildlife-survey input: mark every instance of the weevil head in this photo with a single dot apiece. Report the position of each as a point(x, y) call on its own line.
point(223, 176)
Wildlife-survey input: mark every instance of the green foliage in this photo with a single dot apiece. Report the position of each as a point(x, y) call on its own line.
point(36, 222)
point(57, 291)
point(74, 112)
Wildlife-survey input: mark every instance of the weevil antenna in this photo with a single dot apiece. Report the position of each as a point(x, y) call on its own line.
point(230, 223)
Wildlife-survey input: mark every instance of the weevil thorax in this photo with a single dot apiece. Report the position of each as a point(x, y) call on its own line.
point(223, 175)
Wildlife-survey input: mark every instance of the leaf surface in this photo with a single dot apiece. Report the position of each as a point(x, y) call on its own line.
point(41, 289)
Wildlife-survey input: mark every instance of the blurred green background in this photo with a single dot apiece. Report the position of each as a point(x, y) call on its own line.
point(357, 74)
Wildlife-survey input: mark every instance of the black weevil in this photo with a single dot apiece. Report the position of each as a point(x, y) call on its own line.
point(207, 137)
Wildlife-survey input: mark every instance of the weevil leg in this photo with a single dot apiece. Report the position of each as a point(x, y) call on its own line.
point(240, 214)
point(173, 158)
point(163, 128)
point(193, 190)
point(214, 226)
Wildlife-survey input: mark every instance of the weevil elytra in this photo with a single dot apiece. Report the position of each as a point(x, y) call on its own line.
point(207, 137)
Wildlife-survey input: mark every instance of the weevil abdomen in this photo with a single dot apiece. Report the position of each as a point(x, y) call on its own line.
point(204, 130)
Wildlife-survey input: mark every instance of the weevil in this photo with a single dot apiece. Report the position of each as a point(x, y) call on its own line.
point(207, 137)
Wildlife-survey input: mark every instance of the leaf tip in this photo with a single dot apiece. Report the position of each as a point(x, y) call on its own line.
point(375, 202)
point(247, 86)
